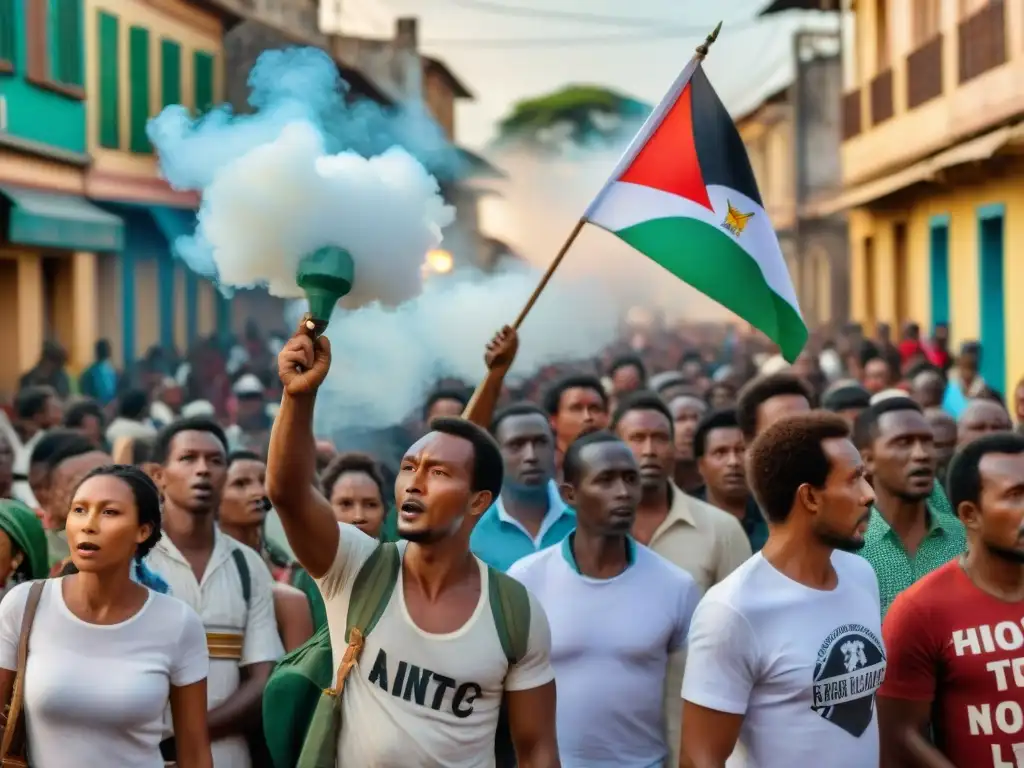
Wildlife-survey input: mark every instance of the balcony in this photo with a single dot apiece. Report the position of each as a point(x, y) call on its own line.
point(982, 41)
point(882, 107)
point(924, 73)
point(852, 121)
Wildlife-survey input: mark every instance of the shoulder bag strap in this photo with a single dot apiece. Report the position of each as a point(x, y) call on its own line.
point(14, 731)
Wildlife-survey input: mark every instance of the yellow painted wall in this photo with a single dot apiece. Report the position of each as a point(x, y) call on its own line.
point(961, 205)
point(108, 292)
point(193, 29)
point(147, 305)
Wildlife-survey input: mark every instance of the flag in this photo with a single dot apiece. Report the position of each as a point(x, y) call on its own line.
point(684, 195)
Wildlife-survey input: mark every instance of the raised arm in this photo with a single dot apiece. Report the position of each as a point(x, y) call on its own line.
point(306, 515)
point(501, 351)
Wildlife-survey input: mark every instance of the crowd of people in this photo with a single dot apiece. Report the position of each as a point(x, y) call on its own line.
point(716, 558)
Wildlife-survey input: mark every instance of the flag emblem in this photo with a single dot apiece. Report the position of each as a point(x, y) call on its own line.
point(735, 221)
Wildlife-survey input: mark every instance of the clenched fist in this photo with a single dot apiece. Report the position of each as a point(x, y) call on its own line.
point(501, 350)
point(303, 362)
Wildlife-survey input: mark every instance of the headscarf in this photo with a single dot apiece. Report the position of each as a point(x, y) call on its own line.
point(26, 532)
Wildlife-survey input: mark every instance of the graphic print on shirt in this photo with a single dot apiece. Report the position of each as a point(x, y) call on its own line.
point(849, 669)
point(423, 687)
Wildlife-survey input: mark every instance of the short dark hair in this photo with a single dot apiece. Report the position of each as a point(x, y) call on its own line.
point(764, 388)
point(963, 477)
point(345, 463)
point(133, 404)
point(516, 409)
point(724, 418)
point(865, 426)
point(625, 361)
point(162, 443)
point(147, 500)
point(80, 410)
point(787, 455)
point(867, 352)
point(244, 456)
point(488, 465)
point(31, 401)
point(642, 400)
point(553, 397)
point(846, 397)
point(447, 393)
point(102, 349)
point(572, 464)
point(58, 445)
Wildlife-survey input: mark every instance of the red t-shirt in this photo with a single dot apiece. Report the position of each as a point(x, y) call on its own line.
point(947, 641)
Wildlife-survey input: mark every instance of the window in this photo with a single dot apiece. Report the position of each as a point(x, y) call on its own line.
point(108, 113)
point(54, 46)
point(7, 36)
point(202, 76)
point(138, 59)
point(170, 72)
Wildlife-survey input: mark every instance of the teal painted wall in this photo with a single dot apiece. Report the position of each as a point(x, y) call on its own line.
point(37, 114)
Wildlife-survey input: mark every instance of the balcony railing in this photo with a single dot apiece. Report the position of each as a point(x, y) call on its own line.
point(924, 73)
point(881, 97)
point(982, 40)
point(852, 122)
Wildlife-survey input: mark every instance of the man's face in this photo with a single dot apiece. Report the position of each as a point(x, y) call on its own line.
point(929, 388)
point(627, 378)
point(844, 504)
point(528, 448)
point(944, 432)
point(195, 472)
point(876, 375)
point(982, 417)
point(902, 458)
point(51, 414)
point(779, 407)
point(245, 496)
point(967, 363)
point(433, 490)
point(721, 395)
point(580, 409)
point(6, 468)
point(608, 491)
point(92, 428)
point(721, 466)
point(686, 412)
point(444, 407)
point(649, 436)
point(998, 519)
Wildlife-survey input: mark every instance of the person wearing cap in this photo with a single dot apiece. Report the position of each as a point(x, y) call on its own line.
point(251, 430)
point(846, 398)
point(23, 550)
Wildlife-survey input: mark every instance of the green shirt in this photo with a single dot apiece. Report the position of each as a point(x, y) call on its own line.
point(895, 569)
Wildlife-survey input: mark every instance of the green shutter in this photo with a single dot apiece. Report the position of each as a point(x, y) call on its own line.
point(65, 35)
point(138, 58)
point(7, 36)
point(170, 72)
point(109, 111)
point(202, 75)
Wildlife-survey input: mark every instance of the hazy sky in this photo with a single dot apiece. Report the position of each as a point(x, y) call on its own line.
point(503, 56)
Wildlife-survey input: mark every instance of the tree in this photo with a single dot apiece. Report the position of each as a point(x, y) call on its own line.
point(579, 115)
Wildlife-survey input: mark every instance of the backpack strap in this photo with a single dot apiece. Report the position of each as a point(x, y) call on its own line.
point(14, 736)
point(510, 608)
point(371, 594)
point(243, 573)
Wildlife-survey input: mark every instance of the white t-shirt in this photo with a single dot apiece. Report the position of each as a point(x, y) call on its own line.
point(610, 645)
point(95, 694)
point(802, 665)
point(421, 700)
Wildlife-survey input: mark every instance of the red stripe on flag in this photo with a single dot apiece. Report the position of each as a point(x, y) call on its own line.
point(668, 161)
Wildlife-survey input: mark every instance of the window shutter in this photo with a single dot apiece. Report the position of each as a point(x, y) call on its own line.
point(7, 36)
point(66, 42)
point(202, 74)
point(170, 72)
point(109, 111)
point(138, 53)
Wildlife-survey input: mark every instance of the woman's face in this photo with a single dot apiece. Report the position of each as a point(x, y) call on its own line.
point(244, 501)
point(356, 499)
point(103, 527)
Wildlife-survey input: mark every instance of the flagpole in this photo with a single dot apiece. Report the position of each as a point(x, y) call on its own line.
point(699, 56)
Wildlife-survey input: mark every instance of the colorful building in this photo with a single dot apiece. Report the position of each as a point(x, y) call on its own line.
point(933, 180)
point(51, 237)
point(140, 57)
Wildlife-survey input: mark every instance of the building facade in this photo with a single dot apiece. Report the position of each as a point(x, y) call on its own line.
point(933, 125)
point(50, 236)
point(792, 138)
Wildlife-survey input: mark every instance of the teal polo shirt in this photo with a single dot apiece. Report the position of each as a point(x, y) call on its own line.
point(499, 540)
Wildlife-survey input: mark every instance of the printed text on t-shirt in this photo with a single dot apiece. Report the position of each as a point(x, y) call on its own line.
point(423, 686)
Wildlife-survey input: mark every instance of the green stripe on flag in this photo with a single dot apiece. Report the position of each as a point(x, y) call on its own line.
point(710, 260)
